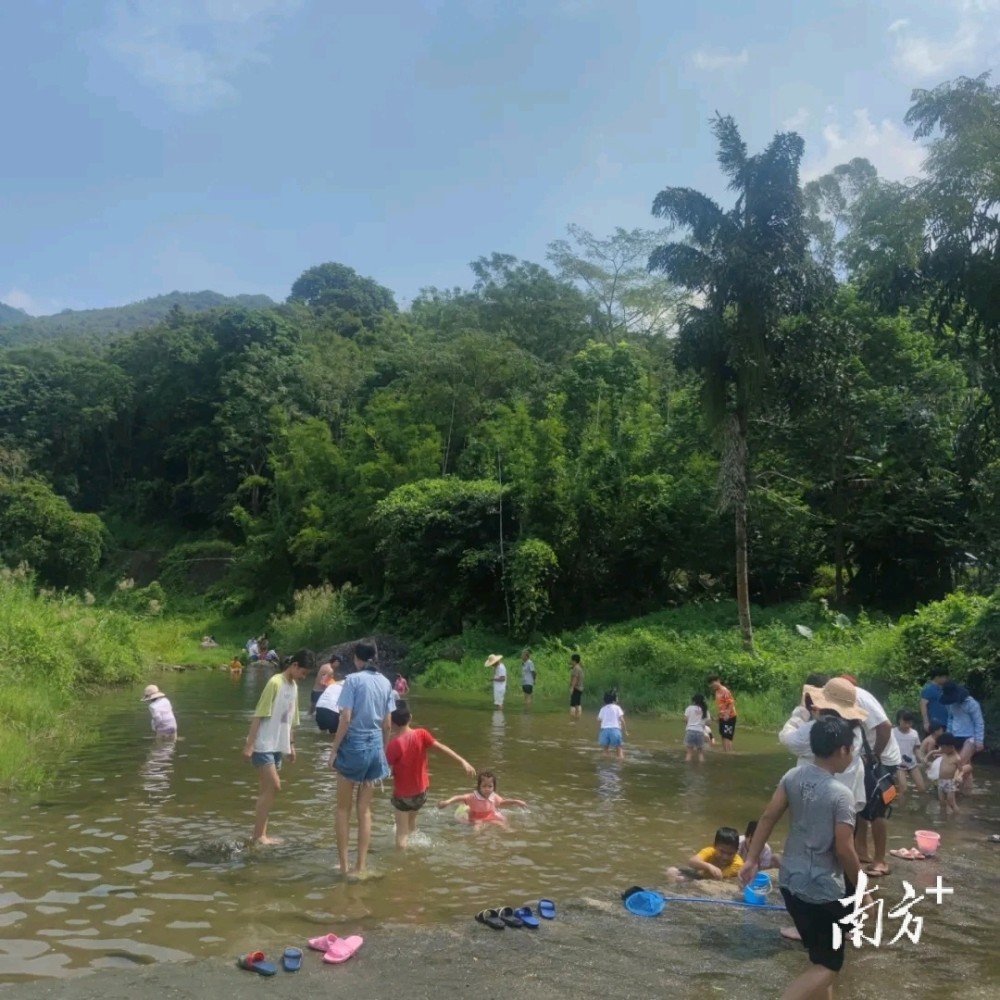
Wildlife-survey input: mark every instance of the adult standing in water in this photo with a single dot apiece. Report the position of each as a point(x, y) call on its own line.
point(358, 750)
point(725, 710)
point(878, 732)
point(324, 677)
point(528, 674)
point(575, 686)
point(931, 709)
point(965, 723)
point(496, 664)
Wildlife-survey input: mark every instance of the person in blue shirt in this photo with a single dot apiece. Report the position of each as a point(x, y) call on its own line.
point(931, 709)
point(965, 723)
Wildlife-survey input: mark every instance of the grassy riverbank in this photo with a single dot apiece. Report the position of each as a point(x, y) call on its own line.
point(657, 662)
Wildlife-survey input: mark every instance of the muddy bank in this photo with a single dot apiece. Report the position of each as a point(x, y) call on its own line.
point(592, 951)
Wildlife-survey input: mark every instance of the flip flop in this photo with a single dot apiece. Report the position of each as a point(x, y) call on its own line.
point(491, 918)
point(342, 949)
point(292, 959)
point(324, 943)
point(877, 871)
point(253, 961)
point(527, 917)
point(509, 917)
point(547, 909)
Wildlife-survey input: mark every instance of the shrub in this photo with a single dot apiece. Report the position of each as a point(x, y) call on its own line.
point(322, 616)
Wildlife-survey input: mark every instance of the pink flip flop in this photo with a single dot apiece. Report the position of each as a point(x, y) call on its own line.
point(342, 949)
point(324, 943)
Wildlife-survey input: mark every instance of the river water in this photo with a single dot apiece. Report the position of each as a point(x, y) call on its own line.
point(137, 854)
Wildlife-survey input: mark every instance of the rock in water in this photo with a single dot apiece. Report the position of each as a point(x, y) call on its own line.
point(214, 851)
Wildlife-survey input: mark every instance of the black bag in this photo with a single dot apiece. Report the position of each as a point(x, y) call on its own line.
point(880, 784)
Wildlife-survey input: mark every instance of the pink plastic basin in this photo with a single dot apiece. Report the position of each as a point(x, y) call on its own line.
point(928, 841)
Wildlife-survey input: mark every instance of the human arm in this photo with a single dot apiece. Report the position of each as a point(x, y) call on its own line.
point(621, 720)
point(978, 727)
point(883, 732)
point(448, 752)
point(794, 735)
point(452, 801)
point(500, 802)
point(924, 703)
point(773, 811)
point(251, 738)
point(847, 855)
point(700, 863)
point(338, 737)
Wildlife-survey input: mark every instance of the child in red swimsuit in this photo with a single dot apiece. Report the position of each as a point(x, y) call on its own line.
point(484, 803)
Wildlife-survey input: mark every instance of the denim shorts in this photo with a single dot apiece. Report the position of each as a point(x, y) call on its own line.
point(609, 738)
point(361, 759)
point(694, 738)
point(263, 759)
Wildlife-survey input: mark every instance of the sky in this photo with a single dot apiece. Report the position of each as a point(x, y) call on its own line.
point(159, 145)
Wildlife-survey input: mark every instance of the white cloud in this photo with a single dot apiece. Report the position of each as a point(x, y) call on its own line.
point(717, 60)
point(975, 39)
point(20, 299)
point(795, 121)
point(894, 154)
point(189, 50)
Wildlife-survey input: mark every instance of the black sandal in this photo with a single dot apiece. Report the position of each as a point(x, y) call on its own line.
point(491, 918)
point(509, 917)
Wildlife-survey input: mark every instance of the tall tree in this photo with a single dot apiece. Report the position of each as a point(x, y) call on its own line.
point(746, 267)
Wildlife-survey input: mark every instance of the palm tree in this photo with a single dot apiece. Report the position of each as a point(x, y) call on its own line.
point(745, 267)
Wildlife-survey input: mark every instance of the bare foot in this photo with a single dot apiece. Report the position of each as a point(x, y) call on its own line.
point(268, 841)
point(790, 934)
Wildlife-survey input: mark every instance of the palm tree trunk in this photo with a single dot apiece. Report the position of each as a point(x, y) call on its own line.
point(742, 579)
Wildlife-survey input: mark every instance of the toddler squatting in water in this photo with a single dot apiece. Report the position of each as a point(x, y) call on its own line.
point(484, 803)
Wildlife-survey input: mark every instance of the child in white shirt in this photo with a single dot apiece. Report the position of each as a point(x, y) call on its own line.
point(612, 723)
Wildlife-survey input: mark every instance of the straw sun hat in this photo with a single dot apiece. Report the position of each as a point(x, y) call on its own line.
point(151, 692)
point(839, 695)
point(492, 661)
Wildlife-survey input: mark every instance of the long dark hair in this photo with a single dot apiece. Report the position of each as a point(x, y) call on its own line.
point(699, 700)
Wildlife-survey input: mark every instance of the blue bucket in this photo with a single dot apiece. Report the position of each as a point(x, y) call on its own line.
point(755, 894)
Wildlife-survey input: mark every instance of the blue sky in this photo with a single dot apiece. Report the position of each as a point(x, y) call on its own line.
point(153, 145)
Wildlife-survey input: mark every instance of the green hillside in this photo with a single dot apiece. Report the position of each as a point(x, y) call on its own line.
point(17, 327)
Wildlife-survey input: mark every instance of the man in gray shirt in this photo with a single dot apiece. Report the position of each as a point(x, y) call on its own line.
point(528, 673)
point(819, 865)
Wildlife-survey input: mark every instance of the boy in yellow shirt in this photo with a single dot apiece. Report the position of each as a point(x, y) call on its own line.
point(721, 860)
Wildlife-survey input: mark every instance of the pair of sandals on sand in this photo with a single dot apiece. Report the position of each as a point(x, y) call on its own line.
point(507, 916)
point(909, 854)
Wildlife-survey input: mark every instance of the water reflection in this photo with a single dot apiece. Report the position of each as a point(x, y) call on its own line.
point(609, 781)
point(158, 769)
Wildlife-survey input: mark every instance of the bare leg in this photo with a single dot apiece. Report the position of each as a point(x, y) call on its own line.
point(412, 818)
point(701, 756)
point(880, 837)
point(365, 795)
point(402, 828)
point(621, 752)
point(689, 756)
point(345, 799)
point(861, 841)
point(814, 983)
point(918, 780)
point(901, 784)
point(269, 784)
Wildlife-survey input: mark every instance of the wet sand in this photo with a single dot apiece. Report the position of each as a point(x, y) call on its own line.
point(594, 950)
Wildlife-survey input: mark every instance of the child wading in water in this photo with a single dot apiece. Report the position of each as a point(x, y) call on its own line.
point(950, 774)
point(612, 725)
point(819, 865)
point(161, 713)
point(908, 739)
point(407, 756)
point(484, 803)
point(271, 737)
point(695, 718)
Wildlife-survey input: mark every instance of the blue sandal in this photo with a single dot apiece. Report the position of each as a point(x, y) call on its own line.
point(547, 909)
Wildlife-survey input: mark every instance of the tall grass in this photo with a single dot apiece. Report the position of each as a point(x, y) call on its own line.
point(657, 662)
point(321, 616)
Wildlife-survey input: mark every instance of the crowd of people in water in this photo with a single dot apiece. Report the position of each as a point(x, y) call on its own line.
point(852, 766)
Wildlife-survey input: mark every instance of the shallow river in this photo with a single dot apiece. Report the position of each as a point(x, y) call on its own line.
point(136, 854)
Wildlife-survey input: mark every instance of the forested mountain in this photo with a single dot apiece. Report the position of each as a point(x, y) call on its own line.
point(17, 327)
point(815, 366)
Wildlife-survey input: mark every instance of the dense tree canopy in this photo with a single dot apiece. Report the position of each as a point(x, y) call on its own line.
point(546, 446)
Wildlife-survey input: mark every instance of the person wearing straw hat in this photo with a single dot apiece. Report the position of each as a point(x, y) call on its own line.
point(495, 662)
point(161, 713)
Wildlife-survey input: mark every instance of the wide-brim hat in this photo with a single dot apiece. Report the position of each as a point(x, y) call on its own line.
point(151, 691)
point(644, 903)
point(839, 695)
point(492, 661)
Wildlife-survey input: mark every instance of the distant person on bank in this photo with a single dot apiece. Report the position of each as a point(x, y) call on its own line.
point(528, 676)
point(496, 664)
point(358, 751)
point(272, 736)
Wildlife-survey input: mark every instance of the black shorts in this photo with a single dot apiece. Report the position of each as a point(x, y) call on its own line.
point(727, 728)
point(575, 698)
point(960, 742)
point(527, 688)
point(327, 720)
point(815, 923)
point(409, 803)
point(314, 697)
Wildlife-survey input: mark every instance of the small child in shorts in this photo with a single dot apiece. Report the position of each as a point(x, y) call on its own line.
point(696, 720)
point(768, 858)
point(908, 739)
point(406, 753)
point(950, 774)
point(611, 719)
point(484, 803)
